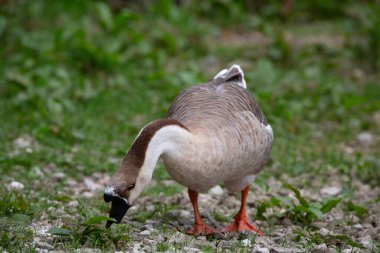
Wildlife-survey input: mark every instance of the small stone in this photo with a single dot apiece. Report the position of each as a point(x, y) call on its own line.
point(354, 219)
point(246, 243)
point(216, 191)
point(88, 250)
point(287, 222)
point(324, 231)
point(150, 242)
point(358, 226)
point(71, 183)
point(24, 141)
point(16, 186)
point(321, 248)
point(146, 227)
point(202, 238)
point(43, 245)
point(319, 224)
point(331, 190)
point(91, 185)
point(145, 232)
point(262, 250)
point(284, 250)
point(177, 237)
point(367, 241)
point(365, 139)
point(191, 250)
point(59, 175)
point(184, 213)
point(73, 203)
point(150, 208)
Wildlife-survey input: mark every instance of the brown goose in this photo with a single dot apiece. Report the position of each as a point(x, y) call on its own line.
point(214, 132)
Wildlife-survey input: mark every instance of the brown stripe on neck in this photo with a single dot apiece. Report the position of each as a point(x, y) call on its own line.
point(136, 154)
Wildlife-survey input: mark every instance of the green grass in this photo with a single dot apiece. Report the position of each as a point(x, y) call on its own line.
point(80, 80)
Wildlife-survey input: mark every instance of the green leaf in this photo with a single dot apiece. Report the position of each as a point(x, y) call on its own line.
point(358, 210)
point(345, 239)
point(330, 204)
point(20, 219)
point(297, 193)
point(318, 214)
point(4, 221)
point(62, 198)
point(60, 231)
point(98, 220)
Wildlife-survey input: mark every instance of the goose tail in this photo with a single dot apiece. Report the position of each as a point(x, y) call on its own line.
point(233, 74)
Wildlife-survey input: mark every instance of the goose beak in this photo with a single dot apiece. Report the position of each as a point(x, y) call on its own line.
point(119, 206)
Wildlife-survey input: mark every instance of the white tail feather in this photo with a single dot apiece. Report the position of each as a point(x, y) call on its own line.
point(225, 72)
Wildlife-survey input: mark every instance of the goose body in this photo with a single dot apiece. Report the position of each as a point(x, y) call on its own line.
point(215, 132)
point(229, 139)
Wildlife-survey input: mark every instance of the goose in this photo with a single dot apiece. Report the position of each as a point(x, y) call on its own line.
point(214, 133)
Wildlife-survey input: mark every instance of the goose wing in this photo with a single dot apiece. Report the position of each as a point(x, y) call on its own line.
point(215, 100)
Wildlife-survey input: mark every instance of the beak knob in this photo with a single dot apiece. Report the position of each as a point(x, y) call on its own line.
point(107, 197)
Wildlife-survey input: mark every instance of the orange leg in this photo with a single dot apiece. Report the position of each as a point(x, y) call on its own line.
point(241, 222)
point(199, 227)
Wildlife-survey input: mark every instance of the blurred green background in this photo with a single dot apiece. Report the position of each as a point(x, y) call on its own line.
point(80, 78)
point(90, 74)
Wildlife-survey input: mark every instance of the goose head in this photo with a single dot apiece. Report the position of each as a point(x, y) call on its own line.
point(136, 169)
point(122, 190)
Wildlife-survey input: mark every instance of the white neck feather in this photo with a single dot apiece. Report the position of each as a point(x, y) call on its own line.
point(166, 140)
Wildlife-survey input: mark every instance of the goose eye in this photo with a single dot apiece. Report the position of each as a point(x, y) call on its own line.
point(130, 187)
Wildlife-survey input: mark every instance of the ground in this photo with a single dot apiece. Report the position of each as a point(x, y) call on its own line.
point(80, 81)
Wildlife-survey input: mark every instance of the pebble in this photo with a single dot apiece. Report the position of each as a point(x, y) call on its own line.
point(321, 248)
point(149, 242)
point(246, 243)
point(73, 203)
point(184, 213)
point(262, 250)
point(358, 226)
point(177, 237)
point(284, 250)
point(145, 232)
point(365, 138)
point(59, 175)
point(88, 250)
point(319, 224)
point(43, 245)
point(331, 190)
point(191, 250)
point(287, 222)
point(216, 191)
point(91, 185)
point(366, 241)
point(150, 208)
point(16, 186)
point(324, 231)
point(24, 141)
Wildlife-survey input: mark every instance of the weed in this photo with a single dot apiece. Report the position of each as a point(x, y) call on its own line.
point(15, 238)
point(162, 247)
point(303, 212)
point(359, 211)
point(159, 212)
point(91, 229)
point(306, 212)
point(220, 217)
point(329, 239)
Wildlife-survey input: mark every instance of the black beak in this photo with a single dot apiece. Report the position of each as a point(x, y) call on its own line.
point(118, 208)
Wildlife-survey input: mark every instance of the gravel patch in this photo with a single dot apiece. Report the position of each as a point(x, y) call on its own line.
point(167, 226)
